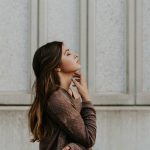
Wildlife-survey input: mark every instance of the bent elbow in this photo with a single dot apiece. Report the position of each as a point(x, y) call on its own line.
point(90, 143)
point(90, 140)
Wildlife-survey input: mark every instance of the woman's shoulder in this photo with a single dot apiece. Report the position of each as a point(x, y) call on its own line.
point(59, 95)
point(62, 97)
point(59, 101)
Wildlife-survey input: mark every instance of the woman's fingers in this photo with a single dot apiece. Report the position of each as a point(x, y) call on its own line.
point(66, 148)
point(76, 75)
point(80, 75)
point(80, 78)
point(76, 82)
point(77, 78)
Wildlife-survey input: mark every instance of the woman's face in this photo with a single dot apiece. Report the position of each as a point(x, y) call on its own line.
point(69, 60)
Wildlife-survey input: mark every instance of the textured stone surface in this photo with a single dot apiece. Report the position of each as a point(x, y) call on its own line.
point(14, 41)
point(116, 130)
point(146, 45)
point(63, 22)
point(123, 130)
point(110, 45)
point(14, 132)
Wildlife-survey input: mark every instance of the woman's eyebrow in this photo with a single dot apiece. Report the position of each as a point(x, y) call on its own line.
point(66, 51)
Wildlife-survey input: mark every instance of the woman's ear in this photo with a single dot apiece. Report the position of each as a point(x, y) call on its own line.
point(58, 69)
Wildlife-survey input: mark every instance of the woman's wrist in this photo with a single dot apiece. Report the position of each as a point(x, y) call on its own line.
point(85, 98)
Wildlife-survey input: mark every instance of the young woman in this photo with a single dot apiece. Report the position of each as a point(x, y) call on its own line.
point(57, 119)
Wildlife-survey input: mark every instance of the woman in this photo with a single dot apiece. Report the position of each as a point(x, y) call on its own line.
point(58, 119)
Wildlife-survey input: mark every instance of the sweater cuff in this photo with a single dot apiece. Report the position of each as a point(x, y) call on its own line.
point(86, 103)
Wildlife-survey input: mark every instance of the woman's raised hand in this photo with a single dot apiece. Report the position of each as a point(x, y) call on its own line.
point(67, 148)
point(81, 85)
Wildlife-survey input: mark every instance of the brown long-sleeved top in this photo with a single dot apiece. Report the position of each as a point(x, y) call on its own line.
point(73, 123)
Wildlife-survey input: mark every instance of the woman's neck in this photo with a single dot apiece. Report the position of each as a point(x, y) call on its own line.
point(65, 80)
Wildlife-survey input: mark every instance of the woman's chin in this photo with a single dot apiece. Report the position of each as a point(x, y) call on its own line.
point(78, 68)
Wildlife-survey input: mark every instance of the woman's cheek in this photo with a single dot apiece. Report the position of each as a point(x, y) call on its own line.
point(69, 66)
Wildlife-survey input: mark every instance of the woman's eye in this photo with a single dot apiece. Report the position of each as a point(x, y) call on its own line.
point(68, 54)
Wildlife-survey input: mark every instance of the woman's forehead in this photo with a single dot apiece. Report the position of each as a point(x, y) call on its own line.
point(64, 47)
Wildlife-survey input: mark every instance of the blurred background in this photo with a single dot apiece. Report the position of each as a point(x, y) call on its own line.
point(112, 38)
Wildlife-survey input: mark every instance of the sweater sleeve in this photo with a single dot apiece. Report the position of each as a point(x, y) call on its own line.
point(80, 127)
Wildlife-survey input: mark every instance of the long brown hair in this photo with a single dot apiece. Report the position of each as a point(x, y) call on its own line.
point(45, 60)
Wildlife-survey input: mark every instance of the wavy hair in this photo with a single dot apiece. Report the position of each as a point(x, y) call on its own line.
point(45, 60)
